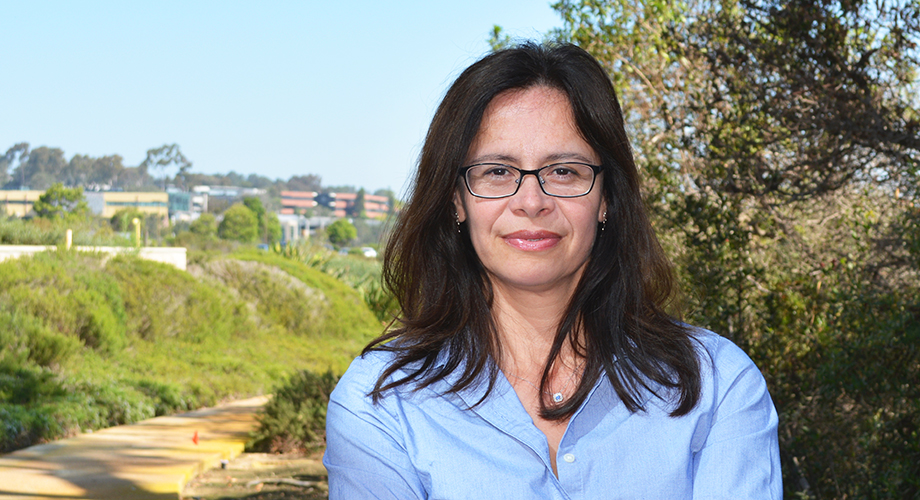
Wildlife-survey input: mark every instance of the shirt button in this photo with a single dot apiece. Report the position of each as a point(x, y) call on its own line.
point(568, 457)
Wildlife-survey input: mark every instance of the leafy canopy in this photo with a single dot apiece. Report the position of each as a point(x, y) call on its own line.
point(58, 202)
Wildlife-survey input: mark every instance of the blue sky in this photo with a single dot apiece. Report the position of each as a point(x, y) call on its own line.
point(344, 90)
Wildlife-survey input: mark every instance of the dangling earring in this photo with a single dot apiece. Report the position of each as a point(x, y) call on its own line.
point(604, 223)
point(457, 217)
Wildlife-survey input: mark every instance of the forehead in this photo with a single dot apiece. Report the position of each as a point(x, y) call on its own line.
point(534, 123)
point(535, 99)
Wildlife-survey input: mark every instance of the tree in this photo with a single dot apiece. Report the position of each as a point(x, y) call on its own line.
point(205, 225)
point(88, 172)
point(341, 233)
point(309, 182)
point(165, 156)
point(273, 232)
point(357, 210)
point(269, 226)
point(58, 202)
point(17, 153)
point(40, 169)
point(122, 220)
point(780, 142)
point(239, 224)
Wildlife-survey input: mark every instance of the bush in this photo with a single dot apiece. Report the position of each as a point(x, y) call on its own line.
point(65, 293)
point(294, 420)
point(239, 224)
point(88, 341)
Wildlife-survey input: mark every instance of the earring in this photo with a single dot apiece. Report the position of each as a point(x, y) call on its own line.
point(457, 217)
point(604, 223)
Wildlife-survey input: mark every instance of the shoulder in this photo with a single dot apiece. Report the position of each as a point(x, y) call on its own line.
point(361, 377)
point(719, 353)
point(730, 379)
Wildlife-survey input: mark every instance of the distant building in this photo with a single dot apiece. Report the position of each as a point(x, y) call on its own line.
point(227, 191)
point(294, 228)
point(297, 202)
point(343, 204)
point(106, 203)
point(102, 203)
point(19, 203)
point(185, 206)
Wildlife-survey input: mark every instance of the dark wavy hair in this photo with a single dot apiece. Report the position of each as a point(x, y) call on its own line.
point(619, 305)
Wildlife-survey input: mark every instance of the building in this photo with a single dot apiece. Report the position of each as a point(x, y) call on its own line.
point(18, 203)
point(185, 206)
point(230, 192)
point(297, 202)
point(294, 228)
point(102, 203)
point(107, 203)
point(342, 204)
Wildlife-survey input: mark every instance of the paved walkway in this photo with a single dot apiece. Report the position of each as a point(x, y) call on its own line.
point(152, 459)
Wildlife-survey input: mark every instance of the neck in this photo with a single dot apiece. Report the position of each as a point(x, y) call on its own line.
point(527, 323)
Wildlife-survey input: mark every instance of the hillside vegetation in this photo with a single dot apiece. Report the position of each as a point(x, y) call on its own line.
point(90, 342)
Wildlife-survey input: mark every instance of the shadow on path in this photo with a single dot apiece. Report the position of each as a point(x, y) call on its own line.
point(152, 459)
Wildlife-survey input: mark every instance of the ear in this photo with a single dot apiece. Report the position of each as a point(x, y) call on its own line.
point(458, 206)
point(602, 211)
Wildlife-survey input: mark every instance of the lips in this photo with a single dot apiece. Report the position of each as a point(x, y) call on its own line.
point(532, 241)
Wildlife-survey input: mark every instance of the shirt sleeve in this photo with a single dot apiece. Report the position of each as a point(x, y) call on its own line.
point(365, 454)
point(740, 456)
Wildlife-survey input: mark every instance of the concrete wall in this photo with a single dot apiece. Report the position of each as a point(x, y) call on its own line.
point(174, 256)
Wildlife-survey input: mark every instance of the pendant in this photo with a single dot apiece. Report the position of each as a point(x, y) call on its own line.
point(557, 397)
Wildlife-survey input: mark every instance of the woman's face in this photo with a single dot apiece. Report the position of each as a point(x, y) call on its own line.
point(531, 241)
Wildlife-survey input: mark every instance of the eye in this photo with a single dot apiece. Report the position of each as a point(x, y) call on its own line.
point(497, 171)
point(565, 172)
point(562, 171)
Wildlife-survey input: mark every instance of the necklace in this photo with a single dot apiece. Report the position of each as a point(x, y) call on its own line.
point(557, 396)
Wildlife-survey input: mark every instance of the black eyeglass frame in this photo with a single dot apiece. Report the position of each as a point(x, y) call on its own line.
point(536, 173)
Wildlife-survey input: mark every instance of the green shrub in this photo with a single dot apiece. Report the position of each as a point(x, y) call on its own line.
point(91, 341)
point(162, 301)
point(92, 232)
point(356, 271)
point(239, 224)
point(294, 420)
point(66, 293)
point(27, 339)
point(271, 292)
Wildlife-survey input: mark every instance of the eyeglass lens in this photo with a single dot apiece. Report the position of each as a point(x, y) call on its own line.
point(560, 179)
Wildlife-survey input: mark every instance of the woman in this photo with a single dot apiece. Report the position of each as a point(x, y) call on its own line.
point(534, 357)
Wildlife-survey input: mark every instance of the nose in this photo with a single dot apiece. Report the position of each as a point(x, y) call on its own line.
point(530, 198)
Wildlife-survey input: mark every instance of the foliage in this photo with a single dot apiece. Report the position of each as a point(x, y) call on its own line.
point(43, 166)
point(341, 233)
point(294, 420)
point(165, 156)
point(346, 316)
point(239, 224)
point(91, 341)
point(123, 219)
point(359, 273)
point(53, 232)
point(357, 210)
point(58, 202)
point(269, 226)
point(205, 226)
point(15, 153)
point(779, 142)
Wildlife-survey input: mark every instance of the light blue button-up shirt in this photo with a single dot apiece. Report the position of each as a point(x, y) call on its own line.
point(428, 445)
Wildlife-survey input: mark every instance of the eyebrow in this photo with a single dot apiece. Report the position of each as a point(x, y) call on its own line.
point(553, 158)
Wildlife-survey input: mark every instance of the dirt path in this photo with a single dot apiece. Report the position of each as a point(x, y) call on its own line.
point(259, 476)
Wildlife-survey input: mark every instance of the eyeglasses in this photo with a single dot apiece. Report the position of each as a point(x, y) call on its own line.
point(562, 180)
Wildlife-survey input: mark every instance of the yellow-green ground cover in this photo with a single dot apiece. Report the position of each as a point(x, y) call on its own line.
point(89, 342)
